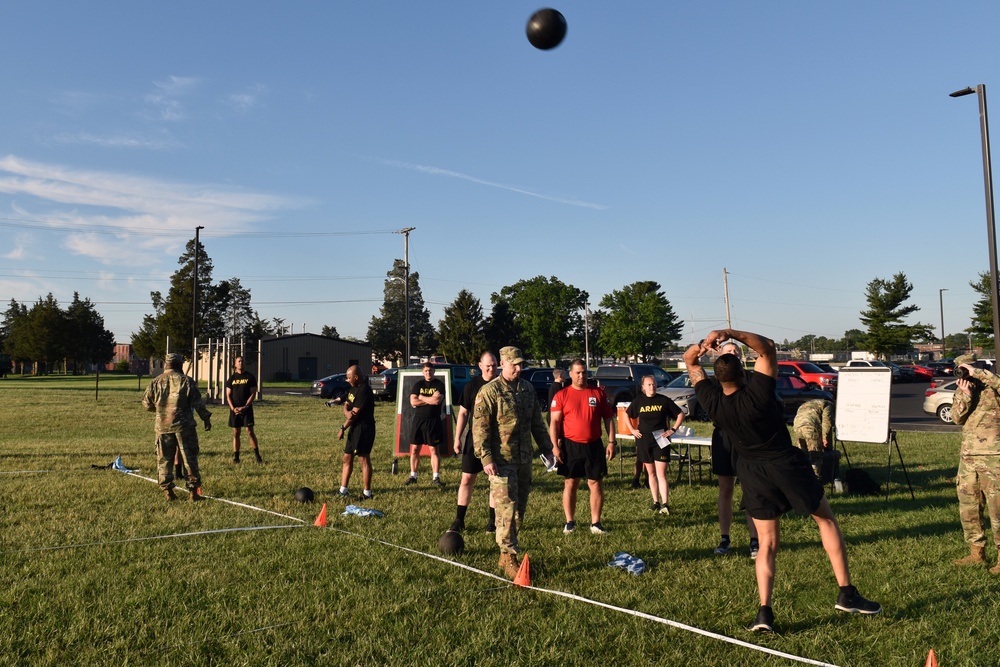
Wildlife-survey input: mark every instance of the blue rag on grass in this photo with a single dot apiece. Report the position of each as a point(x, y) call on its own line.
point(629, 562)
point(120, 467)
point(360, 511)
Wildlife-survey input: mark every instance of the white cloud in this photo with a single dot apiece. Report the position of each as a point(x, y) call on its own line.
point(165, 100)
point(438, 171)
point(142, 212)
point(114, 140)
point(248, 99)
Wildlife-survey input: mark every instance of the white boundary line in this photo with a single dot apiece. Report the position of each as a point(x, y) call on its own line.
point(571, 596)
point(22, 472)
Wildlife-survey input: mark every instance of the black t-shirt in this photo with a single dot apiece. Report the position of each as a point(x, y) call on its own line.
point(654, 413)
point(752, 417)
point(468, 400)
point(362, 398)
point(427, 388)
point(243, 386)
point(554, 389)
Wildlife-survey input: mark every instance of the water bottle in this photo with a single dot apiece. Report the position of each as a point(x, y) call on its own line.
point(838, 486)
point(395, 466)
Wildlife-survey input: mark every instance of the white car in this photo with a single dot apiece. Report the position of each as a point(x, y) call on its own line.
point(937, 401)
point(681, 392)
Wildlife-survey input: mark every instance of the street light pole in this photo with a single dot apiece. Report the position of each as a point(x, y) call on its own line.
point(406, 286)
point(941, 302)
point(984, 127)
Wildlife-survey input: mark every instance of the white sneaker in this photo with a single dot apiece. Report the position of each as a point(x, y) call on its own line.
point(598, 529)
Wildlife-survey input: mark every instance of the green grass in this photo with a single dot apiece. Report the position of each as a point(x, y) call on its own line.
point(312, 596)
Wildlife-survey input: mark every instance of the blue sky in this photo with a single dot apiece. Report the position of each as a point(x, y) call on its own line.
point(806, 148)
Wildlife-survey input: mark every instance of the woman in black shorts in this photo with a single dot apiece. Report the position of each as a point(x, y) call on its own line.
point(654, 411)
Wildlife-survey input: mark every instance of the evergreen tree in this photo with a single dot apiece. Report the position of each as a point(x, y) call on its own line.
point(547, 312)
point(87, 341)
point(329, 331)
point(981, 327)
point(887, 334)
point(461, 333)
point(387, 331)
point(500, 328)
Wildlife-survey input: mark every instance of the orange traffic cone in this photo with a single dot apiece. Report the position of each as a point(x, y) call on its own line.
point(321, 519)
point(931, 660)
point(523, 577)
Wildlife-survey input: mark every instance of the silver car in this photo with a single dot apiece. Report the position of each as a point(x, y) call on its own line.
point(681, 392)
point(937, 400)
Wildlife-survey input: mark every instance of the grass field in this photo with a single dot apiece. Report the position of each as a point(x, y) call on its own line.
point(80, 587)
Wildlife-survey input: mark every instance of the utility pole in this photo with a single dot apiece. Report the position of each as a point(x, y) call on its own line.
point(586, 332)
point(725, 288)
point(406, 286)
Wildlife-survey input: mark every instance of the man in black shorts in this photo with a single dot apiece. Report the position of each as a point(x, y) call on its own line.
point(776, 476)
point(426, 399)
point(722, 466)
point(240, 390)
point(359, 411)
point(471, 465)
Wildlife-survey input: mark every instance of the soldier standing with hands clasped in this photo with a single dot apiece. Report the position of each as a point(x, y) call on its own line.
point(173, 396)
point(240, 389)
point(976, 409)
point(507, 417)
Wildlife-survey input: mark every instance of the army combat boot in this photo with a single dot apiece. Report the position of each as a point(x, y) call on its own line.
point(508, 563)
point(975, 556)
point(996, 568)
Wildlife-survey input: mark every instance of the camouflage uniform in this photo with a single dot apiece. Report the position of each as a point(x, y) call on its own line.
point(172, 396)
point(978, 480)
point(506, 417)
point(813, 424)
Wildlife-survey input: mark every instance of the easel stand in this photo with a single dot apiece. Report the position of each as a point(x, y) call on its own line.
point(888, 464)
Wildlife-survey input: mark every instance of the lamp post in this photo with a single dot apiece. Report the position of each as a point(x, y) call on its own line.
point(984, 127)
point(406, 286)
point(941, 302)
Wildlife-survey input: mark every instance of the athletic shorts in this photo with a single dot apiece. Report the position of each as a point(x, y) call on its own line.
point(241, 420)
point(722, 455)
point(427, 431)
point(583, 460)
point(772, 487)
point(650, 452)
point(471, 464)
point(360, 440)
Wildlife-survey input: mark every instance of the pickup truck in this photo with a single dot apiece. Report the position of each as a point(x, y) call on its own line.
point(385, 383)
point(623, 382)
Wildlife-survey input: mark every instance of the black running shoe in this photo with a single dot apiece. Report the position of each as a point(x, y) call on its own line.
point(457, 526)
point(655, 507)
point(764, 621)
point(410, 481)
point(852, 602)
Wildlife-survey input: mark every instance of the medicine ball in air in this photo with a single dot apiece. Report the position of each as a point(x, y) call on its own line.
point(304, 495)
point(546, 29)
point(451, 543)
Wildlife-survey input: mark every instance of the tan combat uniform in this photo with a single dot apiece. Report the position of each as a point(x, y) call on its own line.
point(813, 424)
point(172, 396)
point(978, 480)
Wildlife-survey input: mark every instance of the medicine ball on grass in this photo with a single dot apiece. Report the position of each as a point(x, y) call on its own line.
point(451, 543)
point(546, 29)
point(304, 495)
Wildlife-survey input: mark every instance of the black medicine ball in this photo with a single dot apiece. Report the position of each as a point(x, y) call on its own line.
point(451, 543)
point(304, 495)
point(546, 29)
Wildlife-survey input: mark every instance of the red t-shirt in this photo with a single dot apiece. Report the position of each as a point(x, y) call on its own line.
point(582, 410)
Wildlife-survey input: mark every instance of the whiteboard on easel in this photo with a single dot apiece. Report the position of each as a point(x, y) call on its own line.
point(863, 404)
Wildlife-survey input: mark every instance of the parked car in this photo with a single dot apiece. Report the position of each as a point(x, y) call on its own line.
point(937, 401)
point(860, 363)
point(793, 392)
point(623, 382)
point(681, 392)
point(541, 380)
point(809, 372)
point(332, 386)
point(827, 368)
point(906, 373)
point(922, 373)
point(384, 384)
point(942, 367)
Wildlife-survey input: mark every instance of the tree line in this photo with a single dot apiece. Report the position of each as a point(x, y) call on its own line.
point(47, 335)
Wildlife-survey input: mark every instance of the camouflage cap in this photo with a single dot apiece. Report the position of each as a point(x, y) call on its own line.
point(965, 359)
point(511, 354)
point(173, 358)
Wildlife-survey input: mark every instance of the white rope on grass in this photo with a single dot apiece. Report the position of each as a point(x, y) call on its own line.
point(22, 472)
point(152, 537)
point(571, 596)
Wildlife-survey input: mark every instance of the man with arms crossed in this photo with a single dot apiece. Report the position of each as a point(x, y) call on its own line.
point(776, 476)
point(471, 465)
point(240, 389)
point(575, 430)
point(507, 417)
point(426, 399)
point(359, 413)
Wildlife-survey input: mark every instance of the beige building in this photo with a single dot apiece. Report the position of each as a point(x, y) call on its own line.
point(307, 357)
